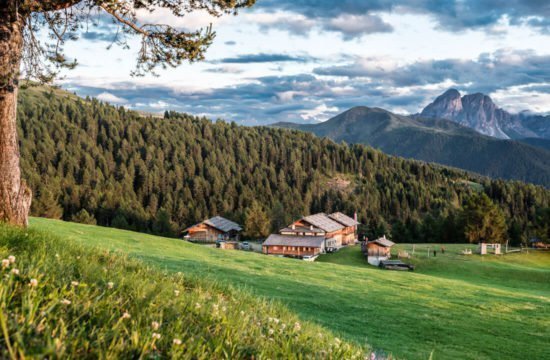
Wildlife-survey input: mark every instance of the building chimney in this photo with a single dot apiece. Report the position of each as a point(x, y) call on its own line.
point(293, 227)
point(311, 227)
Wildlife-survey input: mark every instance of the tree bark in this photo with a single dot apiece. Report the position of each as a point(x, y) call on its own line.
point(15, 196)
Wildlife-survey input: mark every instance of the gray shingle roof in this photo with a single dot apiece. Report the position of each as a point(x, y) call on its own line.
point(302, 229)
point(322, 221)
point(383, 241)
point(290, 240)
point(343, 219)
point(223, 224)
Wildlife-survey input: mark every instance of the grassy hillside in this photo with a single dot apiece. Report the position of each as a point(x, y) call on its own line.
point(411, 315)
point(440, 141)
point(60, 299)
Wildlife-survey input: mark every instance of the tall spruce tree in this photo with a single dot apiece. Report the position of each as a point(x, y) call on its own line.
point(257, 224)
point(483, 220)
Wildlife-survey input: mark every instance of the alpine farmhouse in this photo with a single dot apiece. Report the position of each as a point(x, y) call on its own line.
point(313, 235)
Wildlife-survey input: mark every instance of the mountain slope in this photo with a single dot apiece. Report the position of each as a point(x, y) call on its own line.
point(95, 163)
point(479, 112)
point(436, 140)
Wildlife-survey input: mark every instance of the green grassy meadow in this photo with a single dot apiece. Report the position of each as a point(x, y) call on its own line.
point(60, 299)
point(451, 307)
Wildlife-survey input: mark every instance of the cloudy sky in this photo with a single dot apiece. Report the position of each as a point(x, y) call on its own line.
point(307, 60)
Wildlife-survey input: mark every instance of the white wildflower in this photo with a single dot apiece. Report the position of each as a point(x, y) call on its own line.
point(297, 326)
point(177, 342)
point(197, 306)
point(15, 271)
point(177, 292)
point(126, 315)
point(155, 325)
point(110, 285)
point(5, 263)
point(156, 335)
point(242, 313)
point(74, 283)
point(33, 283)
point(66, 302)
point(224, 309)
point(11, 258)
point(271, 331)
point(276, 321)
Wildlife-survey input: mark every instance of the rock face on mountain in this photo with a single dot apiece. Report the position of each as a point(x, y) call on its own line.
point(437, 140)
point(479, 112)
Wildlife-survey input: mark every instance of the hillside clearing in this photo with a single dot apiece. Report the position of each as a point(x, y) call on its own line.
point(408, 314)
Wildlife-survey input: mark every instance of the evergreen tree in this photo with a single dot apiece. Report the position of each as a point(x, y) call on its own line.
point(483, 220)
point(84, 217)
point(257, 224)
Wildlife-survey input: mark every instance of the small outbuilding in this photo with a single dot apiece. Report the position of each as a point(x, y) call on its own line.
point(293, 246)
point(484, 248)
point(213, 230)
point(377, 250)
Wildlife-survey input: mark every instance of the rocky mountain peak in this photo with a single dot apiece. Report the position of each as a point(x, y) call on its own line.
point(477, 111)
point(445, 106)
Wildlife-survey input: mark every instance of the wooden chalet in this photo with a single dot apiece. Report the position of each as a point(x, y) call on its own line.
point(338, 228)
point(377, 250)
point(349, 233)
point(293, 246)
point(213, 230)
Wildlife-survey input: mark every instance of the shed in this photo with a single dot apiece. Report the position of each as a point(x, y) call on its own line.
point(378, 250)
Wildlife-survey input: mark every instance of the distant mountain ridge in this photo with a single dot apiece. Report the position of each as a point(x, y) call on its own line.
point(435, 140)
point(479, 112)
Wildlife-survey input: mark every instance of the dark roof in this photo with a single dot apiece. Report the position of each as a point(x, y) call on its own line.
point(223, 224)
point(219, 223)
point(302, 229)
point(322, 221)
point(290, 240)
point(343, 219)
point(383, 242)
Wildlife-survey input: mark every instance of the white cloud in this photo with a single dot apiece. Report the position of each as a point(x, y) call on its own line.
point(519, 98)
point(357, 25)
point(111, 98)
point(320, 113)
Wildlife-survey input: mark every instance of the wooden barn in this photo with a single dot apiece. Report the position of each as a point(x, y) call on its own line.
point(377, 250)
point(293, 246)
point(213, 230)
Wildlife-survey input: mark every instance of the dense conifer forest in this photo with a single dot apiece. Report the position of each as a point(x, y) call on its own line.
point(95, 163)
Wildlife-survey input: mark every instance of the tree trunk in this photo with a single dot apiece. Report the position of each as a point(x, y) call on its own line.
point(15, 196)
